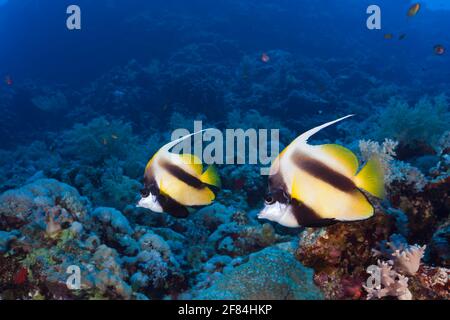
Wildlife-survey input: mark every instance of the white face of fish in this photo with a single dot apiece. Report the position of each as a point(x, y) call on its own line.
point(280, 213)
point(150, 202)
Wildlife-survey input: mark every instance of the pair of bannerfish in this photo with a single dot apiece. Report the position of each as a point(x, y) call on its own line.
point(309, 185)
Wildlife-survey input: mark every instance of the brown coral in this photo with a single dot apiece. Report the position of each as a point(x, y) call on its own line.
point(431, 283)
point(343, 251)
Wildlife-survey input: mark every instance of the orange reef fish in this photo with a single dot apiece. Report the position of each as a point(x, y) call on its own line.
point(413, 10)
point(175, 182)
point(8, 80)
point(318, 185)
point(265, 58)
point(439, 49)
point(388, 36)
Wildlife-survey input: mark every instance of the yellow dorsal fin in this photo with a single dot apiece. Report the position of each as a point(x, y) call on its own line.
point(193, 162)
point(211, 177)
point(343, 155)
point(371, 178)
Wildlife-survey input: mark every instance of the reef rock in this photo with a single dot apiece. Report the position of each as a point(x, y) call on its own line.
point(340, 254)
point(272, 273)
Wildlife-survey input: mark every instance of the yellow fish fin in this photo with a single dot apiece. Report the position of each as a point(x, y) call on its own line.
point(193, 162)
point(295, 191)
point(211, 177)
point(371, 178)
point(357, 207)
point(330, 203)
point(183, 193)
point(343, 155)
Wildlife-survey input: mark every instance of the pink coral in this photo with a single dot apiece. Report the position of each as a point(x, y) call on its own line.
point(387, 283)
point(408, 261)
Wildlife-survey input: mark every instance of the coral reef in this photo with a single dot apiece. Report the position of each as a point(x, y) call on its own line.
point(391, 284)
point(47, 227)
point(272, 273)
point(73, 152)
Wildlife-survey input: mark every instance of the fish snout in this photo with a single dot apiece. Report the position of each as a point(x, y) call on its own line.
point(262, 214)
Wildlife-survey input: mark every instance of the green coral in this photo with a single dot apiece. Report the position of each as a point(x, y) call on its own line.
point(425, 122)
point(272, 273)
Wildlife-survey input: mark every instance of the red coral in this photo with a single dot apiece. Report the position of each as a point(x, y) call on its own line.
point(21, 276)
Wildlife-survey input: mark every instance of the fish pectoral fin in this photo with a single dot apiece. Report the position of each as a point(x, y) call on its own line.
point(295, 190)
point(371, 178)
point(343, 155)
point(211, 177)
point(193, 162)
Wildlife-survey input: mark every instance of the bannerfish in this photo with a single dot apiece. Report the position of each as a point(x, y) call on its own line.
point(176, 183)
point(413, 10)
point(439, 49)
point(319, 185)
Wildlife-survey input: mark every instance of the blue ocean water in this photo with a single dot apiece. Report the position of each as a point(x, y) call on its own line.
point(82, 111)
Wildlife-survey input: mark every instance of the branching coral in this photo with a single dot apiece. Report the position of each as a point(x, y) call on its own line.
point(408, 261)
point(395, 170)
point(385, 152)
point(389, 278)
point(98, 140)
point(425, 122)
point(390, 283)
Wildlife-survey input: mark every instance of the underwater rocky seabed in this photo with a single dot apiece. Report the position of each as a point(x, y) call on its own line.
point(68, 198)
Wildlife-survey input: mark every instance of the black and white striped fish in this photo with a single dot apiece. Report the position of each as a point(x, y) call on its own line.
point(319, 185)
point(173, 183)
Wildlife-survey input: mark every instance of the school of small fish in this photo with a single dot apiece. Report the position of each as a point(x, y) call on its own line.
point(413, 10)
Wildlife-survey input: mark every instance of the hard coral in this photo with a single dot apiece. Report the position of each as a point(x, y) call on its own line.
point(425, 122)
point(272, 273)
point(391, 284)
point(342, 251)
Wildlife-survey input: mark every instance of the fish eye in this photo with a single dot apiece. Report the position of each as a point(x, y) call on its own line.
point(269, 199)
point(145, 192)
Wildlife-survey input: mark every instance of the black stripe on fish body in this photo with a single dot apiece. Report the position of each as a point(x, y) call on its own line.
point(322, 172)
point(168, 204)
point(182, 175)
point(276, 182)
point(172, 207)
point(277, 189)
point(150, 185)
point(307, 217)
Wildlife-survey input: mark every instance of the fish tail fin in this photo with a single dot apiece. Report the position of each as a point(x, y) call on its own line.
point(305, 136)
point(371, 178)
point(211, 177)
